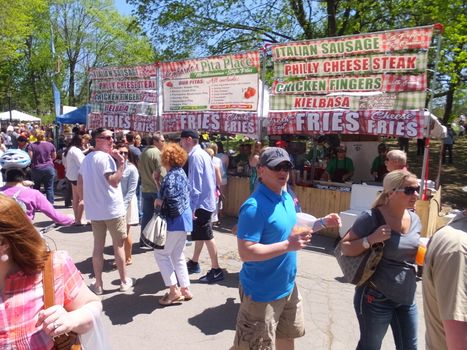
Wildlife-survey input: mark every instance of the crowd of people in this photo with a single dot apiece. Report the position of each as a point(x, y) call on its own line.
point(115, 183)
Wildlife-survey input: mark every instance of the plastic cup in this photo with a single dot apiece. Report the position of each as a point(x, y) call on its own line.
point(307, 220)
point(421, 251)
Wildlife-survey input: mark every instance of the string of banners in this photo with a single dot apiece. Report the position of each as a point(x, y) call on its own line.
point(363, 84)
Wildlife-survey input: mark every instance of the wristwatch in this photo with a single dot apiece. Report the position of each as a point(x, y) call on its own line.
point(365, 243)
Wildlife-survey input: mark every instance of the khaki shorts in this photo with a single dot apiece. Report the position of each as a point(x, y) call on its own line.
point(259, 324)
point(116, 227)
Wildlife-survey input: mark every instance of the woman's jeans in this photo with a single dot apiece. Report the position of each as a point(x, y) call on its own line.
point(44, 176)
point(375, 313)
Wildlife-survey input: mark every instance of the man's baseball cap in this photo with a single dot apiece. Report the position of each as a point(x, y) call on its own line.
point(189, 133)
point(273, 156)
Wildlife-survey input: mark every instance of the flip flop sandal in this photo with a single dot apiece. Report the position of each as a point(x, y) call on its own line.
point(165, 300)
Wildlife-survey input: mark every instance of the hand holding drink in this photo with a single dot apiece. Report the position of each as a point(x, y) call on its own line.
point(420, 257)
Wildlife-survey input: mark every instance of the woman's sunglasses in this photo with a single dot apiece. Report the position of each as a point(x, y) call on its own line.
point(409, 190)
point(284, 167)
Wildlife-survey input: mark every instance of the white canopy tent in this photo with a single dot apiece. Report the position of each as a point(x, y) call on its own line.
point(18, 116)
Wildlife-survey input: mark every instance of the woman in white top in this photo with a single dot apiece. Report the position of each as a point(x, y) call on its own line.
point(73, 157)
point(129, 184)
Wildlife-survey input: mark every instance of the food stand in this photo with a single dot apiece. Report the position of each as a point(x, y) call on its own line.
point(369, 84)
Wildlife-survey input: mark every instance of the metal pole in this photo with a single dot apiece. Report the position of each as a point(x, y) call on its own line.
point(261, 117)
point(428, 118)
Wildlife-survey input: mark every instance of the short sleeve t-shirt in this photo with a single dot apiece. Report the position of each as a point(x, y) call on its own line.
point(395, 275)
point(444, 281)
point(268, 218)
point(41, 154)
point(101, 200)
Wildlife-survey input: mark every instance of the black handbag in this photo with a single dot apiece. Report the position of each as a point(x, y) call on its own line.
point(359, 269)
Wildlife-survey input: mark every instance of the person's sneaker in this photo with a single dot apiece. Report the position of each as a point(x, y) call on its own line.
point(96, 290)
point(125, 287)
point(193, 267)
point(213, 276)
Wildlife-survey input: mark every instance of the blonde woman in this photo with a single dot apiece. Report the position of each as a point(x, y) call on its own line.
point(388, 298)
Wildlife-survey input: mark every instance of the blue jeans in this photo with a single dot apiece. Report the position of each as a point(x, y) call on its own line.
point(44, 176)
point(375, 313)
point(148, 207)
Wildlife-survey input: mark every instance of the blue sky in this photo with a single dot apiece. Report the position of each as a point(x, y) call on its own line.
point(123, 7)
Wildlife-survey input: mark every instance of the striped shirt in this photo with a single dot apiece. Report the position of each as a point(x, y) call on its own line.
point(22, 299)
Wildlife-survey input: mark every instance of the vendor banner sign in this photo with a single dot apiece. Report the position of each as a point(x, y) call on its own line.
point(124, 97)
point(392, 123)
point(222, 122)
point(221, 83)
point(390, 101)
point(139, 123)
point(353, 65)
point(382, 42)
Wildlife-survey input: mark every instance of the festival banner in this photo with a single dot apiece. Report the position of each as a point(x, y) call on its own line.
point(381, 42)
point(124, 97)
point(390, 123)
point(386, 101)
point(357, 65)
point(137, 72)
point(139, 123)
point(221, 83)
point(327, 85)
point(222, 122)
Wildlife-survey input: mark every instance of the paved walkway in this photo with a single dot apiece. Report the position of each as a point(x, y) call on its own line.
point(136, 321)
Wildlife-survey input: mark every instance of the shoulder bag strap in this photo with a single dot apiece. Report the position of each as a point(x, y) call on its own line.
point(48, 282)
point(379, 217)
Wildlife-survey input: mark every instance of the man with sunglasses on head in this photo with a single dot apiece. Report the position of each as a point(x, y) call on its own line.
point(203, 203)
point(99, 180)
point(271, 311)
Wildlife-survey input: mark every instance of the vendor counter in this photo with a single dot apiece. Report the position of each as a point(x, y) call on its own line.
point(329, 197)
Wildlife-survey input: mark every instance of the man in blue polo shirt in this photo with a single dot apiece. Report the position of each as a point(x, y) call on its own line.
point(271, 314)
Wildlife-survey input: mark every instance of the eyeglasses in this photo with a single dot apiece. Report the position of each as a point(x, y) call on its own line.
point(123, 153)
point(409, 190)
point(284, 167)
point(108, 138)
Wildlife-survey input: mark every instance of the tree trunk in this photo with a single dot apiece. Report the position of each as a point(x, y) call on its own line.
point(331, 10)
point(449, 102)
point(71, 84)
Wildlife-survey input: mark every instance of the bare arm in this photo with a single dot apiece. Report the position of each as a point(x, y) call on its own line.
point(352, 245)
point(114, 178)
point(76, 316)
point(456, 334)
point(253, 251)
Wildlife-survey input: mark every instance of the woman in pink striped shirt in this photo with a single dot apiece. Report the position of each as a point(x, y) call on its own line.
point(24, 323)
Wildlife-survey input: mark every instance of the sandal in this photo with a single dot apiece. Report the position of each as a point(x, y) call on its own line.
point(165, 300)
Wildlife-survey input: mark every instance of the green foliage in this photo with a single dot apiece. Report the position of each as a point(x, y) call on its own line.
point(86, 33)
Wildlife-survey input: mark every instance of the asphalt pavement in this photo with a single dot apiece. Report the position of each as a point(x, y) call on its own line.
point(135, 320)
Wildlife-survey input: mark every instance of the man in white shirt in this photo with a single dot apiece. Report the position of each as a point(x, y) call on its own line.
point(99, 183)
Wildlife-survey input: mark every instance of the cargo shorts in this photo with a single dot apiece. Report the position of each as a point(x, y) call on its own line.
point(260, 323)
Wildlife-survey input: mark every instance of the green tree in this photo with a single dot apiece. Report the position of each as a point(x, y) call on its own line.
point(191, 28)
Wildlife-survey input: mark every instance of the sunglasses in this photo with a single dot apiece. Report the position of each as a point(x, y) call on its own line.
point(123, 153)
point(284, 167)
point(108, 138)
point(341, 151)
point(409, 190)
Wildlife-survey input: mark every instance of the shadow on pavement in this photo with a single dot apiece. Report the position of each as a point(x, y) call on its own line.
point(140, 301)
point(217, 319)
